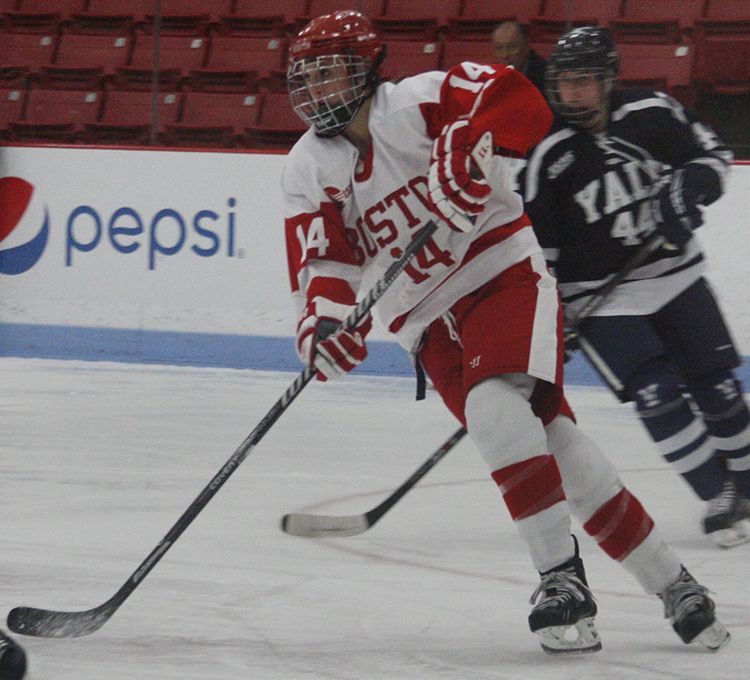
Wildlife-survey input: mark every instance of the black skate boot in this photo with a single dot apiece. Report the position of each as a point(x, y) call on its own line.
point(563, 616)
point(12, 659)
point(726, 518)
point(691, 611)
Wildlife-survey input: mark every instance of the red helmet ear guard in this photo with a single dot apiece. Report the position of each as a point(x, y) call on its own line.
point(333, 68)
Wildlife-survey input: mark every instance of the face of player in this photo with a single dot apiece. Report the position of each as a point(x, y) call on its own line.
point(584, 91)
point(510, 47)
point(328, 82)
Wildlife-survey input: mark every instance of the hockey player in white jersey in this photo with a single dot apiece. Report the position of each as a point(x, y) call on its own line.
point(616, 166)
point(477, 307)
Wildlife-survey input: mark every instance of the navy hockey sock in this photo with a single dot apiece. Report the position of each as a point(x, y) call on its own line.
point(681, 437)
point(727, 418)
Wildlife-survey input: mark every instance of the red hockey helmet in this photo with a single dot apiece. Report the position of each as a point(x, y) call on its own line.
point(333, 68)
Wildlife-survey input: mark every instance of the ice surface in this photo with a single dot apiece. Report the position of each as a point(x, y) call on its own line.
point(97, 461)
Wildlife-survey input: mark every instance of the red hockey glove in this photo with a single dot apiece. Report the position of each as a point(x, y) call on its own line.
point(457, 186)
point(333, 353)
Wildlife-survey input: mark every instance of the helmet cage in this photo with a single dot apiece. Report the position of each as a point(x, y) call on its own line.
point(326, 91)
point(578, 116)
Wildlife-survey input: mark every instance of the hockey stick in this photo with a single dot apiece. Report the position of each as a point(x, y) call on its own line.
point(652, 244)
point(48, 623)
point(317, 526)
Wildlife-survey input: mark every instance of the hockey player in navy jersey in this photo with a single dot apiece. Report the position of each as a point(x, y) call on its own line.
point(616, 167)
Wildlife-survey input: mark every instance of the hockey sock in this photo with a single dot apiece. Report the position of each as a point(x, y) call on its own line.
point(609, 513)
point(512, 441)
point(727, 418)
point(682, 439)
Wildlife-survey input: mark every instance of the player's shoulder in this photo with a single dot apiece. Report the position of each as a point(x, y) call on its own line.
point(393, 96)
point(559, 141)
point(313, 158)
point(640, 102)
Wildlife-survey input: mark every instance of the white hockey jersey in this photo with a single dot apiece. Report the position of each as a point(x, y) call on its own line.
point(348, 218)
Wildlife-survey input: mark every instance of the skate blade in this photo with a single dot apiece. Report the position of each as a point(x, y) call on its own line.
point(714, 637)
point(735, 535)
point(580, 638)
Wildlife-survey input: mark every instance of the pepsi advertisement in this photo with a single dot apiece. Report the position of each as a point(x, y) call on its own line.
point(178, 257)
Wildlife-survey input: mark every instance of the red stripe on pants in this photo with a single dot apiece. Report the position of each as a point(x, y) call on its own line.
point(620, 525)
point(530, 486)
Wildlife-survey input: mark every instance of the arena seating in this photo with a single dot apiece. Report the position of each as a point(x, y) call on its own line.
point(82, 70)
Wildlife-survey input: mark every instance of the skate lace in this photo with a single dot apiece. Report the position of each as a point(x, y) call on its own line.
point(682, 597)
point(725, 501)
point(560, 587)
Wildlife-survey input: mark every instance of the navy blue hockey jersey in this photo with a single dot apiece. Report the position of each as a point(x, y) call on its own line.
point(589, 198)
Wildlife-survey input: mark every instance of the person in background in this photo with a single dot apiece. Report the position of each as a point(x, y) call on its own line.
point(510, 41)
point(476, 307)
point(617, 167)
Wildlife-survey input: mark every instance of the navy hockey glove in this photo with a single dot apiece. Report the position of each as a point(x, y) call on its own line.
point(676, 200)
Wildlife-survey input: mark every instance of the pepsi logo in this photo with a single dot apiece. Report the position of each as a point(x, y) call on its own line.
point(15, 198)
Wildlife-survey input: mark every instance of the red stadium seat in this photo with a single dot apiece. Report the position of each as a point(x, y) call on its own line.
point(214, 120)
point(289, 9)
point(560, 15)
point(422, 9)
point(415, 19)
point(456, 51)
point(660, 67)
point(65, 8)
point(725, 18)
point(370, 8)
point(731, 10)
point(406, 58)
point(211, 8)
point(234, 52)
point(107, 52)
point(14, 77)
point(8, 5)
point(30, 50)
point(177, 54)
point(126, 117)
point(239, 63)
point(521, 10)
point(657, 21)
point(56, 115)
point(278, 126)
point(71, 78)
point(137, 9)
point(479, 18)
point(11, 108)
point(34, 22)
point(722, 65)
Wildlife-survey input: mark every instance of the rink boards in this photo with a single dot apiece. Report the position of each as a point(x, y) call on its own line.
point(177, 257)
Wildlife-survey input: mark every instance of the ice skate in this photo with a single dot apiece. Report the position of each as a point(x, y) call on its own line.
point(727, 518)
point(563, 615)
point(691, 612)
point(12, 659)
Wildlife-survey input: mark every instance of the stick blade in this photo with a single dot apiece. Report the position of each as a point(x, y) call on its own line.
point(52, 624)
point(319, 526)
